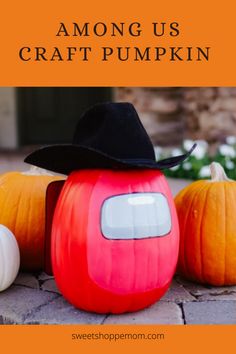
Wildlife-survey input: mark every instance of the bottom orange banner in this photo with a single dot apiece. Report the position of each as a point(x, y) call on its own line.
point(170, 339)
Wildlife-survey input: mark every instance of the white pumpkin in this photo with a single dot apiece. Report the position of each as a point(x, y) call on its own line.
point(9, 258)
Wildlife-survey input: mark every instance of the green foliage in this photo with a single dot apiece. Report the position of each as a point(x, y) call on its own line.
point(197, 165)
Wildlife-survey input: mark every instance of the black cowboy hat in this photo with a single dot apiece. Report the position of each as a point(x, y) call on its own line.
point(108, 135)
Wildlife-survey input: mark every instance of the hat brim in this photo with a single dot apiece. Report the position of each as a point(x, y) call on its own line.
point(65, 158)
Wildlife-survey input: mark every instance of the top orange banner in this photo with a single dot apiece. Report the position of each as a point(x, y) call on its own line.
point(123, 43)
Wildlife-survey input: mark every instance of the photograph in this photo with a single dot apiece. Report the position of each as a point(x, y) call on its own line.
point(117, 205)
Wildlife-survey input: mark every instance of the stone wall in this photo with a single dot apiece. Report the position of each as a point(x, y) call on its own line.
point(159, 110)
point(209, 112)
point(8, 117)
point(171, 114)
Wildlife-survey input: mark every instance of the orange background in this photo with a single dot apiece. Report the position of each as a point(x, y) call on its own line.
point(202, 23)
point(57, 339)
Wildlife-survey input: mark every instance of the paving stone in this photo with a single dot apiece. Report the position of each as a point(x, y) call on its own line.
point(59, 311)
point(199, 290)
point(217, 297)
point(220, 290)
point(160, 313)
point(17, 302)
point(210, 312)
point(50, 285)
point(176, 185)
point(177, 293)
point(193, 288)
point(28, 280)
point(44, 276)
point(4, 165)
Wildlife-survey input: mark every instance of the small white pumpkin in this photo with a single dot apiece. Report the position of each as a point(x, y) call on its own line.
point(9, 258)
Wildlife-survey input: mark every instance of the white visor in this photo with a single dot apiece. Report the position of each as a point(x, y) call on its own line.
point(135, 216)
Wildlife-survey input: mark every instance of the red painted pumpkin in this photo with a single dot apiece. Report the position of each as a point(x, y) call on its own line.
point(115, 239)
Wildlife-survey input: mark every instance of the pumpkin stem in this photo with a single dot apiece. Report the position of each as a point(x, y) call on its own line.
point(218, 173)
point(36, 171)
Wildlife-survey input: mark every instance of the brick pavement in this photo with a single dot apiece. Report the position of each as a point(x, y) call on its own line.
point(35, 299)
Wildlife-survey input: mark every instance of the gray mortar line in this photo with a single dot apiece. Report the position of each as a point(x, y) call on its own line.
point(26, 286)
point(106, 316)
point(182, 312)
point(38, 289)
point(37, 309)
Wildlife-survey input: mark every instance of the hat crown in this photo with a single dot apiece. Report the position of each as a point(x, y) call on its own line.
point(108, 135)
point(116, 130)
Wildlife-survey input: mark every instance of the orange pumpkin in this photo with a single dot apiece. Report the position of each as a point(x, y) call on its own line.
point(207, 219)
point(22, 210)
